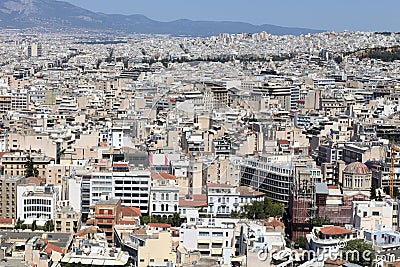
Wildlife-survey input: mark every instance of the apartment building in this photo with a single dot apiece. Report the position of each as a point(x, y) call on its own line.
point(222, 199)
point(164, 194)
point(208, 240)
point(133, 188)
point(106, 214)
point(66, 220)
point(14, 164)
point(8, 196)
point(37, 203)
point(369, 215)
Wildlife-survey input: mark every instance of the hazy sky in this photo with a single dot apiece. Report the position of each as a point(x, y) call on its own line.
point(338, 15)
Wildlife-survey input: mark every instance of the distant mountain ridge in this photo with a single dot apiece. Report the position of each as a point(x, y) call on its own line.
point(54, 14)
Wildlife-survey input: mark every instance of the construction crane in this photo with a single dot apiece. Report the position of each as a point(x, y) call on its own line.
point(391, 185)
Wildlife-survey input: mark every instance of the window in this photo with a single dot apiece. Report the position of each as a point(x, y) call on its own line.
point(375, 213)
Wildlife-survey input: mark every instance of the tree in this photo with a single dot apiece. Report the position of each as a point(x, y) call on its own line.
point(301, 242)
point(30, 168)
point(263, 209)
point(174, 220)
point(359, 252)
point(49, 226)
point(379, 198)
point(373, 191)
point(19, 224)
point(34, 226)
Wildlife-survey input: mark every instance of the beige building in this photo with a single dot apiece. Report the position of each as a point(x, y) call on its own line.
point(147, 255)
point(56, 172)
point(34, 142)
point(8, 196)
point(224, 170)
point(14, 164)
point(66, 220)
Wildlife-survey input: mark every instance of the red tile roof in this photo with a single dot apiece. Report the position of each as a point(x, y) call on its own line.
point(247, 191)
point(50, 248)
point(201, 197)
point(163, 175)
point(91, 229)
point(127, 222)
point(121, 164)
point(335, 230)
point(131, 212)
point(275, 223)
point(90, 222)
point(161, 225)
point(333, 187)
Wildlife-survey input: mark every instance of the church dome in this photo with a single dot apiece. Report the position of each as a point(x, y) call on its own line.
point(357, 168)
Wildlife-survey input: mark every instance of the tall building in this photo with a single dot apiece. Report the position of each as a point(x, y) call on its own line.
point(275, 179)
point(14, 164)
point(35, 50)
point(164, 197)
point(106, 215)
point(8, 196)
point(133, 188)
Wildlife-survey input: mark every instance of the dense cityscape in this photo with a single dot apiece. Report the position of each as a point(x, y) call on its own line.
point(231, 150)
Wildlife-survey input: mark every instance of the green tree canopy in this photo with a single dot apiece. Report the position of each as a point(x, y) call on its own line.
point(263, 209)
point(358, 251)
point(30, 169)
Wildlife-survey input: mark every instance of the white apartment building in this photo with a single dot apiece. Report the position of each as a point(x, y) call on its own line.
point(368, 215)
point(101, 183)
point(164, 194)
point(133, 187)
point(222, 199)
point(208, 240)
point(19, 99)
point(37, 203)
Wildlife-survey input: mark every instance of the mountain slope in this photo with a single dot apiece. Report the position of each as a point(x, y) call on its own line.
point(54, 14)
